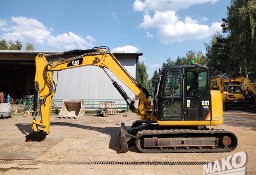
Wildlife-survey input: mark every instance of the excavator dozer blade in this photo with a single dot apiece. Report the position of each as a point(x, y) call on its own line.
point(124, 138)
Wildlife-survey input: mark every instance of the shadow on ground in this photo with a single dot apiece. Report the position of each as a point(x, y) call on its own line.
point(113, 132)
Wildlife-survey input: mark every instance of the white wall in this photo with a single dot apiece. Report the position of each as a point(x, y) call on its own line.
point(91, 82)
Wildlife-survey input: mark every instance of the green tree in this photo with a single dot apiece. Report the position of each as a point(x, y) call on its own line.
point(152, 83)
point(198, 57)
point(180, 60)
point(15, 45)
point(3, 45)
point(218, 57)
point(240, 25)
point(29, 46)
point(142, 74)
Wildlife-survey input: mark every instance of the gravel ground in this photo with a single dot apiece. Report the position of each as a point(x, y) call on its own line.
point(88, 145)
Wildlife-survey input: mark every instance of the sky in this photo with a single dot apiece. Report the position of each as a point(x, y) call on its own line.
point(160, 29)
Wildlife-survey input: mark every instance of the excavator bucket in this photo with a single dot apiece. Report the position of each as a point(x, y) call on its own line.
point(72, 109)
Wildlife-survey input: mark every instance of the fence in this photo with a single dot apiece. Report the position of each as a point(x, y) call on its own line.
point(93, 105)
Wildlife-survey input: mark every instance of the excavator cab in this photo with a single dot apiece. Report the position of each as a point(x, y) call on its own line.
point(182, 93)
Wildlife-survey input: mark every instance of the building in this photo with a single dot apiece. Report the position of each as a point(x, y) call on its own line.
point(17, 70)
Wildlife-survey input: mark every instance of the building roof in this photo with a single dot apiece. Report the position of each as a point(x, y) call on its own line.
point(29, 55)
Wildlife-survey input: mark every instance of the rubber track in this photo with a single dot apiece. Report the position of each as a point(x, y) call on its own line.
point(156, 133)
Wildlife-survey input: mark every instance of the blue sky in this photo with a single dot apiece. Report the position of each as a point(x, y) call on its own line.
point(159, 29)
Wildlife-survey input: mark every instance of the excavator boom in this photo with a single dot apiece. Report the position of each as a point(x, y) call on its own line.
point(98, 56)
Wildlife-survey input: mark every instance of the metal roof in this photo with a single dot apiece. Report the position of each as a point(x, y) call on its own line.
point(29, 55)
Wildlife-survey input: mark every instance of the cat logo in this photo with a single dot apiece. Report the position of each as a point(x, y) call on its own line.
point(76, 62)
point(205, 103)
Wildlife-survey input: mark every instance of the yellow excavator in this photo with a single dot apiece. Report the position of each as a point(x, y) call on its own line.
point(175, 120)
point(236, 92)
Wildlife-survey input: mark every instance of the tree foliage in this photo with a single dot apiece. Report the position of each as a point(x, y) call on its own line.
point(218, 57)
point(142, 74)
point(3, 45)
point(29, 46)
point(14, 45)
point(152, 83)
point(197, 57)
point(238, 47)
point(241, 24)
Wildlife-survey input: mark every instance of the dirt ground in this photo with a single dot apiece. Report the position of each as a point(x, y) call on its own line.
point(89, 145)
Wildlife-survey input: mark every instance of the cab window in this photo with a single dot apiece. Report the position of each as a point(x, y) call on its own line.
point(196, 81)
point(172, 85)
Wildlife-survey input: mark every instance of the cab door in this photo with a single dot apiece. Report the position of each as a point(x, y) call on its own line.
point(197, 101)
point(171, 103)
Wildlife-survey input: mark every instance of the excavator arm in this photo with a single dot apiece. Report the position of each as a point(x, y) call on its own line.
point(246, 82)
point(98, 56)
